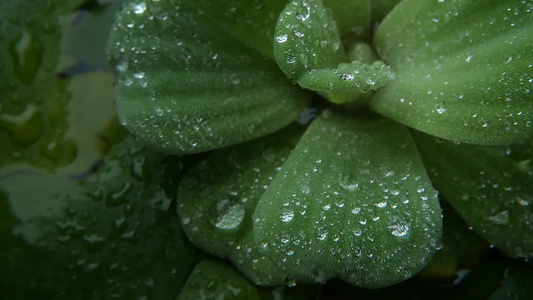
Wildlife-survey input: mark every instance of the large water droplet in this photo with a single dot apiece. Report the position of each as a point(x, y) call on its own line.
point(227, 214)
point(287, 215)
point(398, 227)
point(348, 184)
point(139, 8)
point(304, 12)
point(281, 38)
point(305, 189)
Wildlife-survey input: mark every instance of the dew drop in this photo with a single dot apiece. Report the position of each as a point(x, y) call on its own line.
point(348, 184)
point(356, 210)
point(398, 227)
point(290, 282)
point(139, 8)
point(287, 216)
point(440, 109)
point(138, 75)
point(381, 204)
point(303, 13)
point(281, 38)
point(522, 202)
point(322, 235)
point(227, 214)
point(305, 189)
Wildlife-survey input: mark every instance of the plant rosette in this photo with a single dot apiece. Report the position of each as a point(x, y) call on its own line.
point(435, 99)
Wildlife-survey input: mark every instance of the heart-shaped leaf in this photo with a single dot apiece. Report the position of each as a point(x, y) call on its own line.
point(217, 197)
point(213, 280)
point(187, 85)
point(496, 180)
point(463, 69)
point(352, 200)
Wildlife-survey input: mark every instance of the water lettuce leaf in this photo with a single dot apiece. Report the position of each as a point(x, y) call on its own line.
point(186, 85)
point(495, 180)
point(463, 69)
point(217, 197)
point(352, 200)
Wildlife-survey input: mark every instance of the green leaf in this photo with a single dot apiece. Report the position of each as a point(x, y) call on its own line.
point(352, 201)
point(381, 8)
point(463, 69)
point(461, 247)
point(34, 100)
point(495, 180)
point(185, 85)
point(348, 77)
point(307, 38)
point(211, 280)
point(352, 16)
point(217, 197)
point(101, 236)
point(252, 22)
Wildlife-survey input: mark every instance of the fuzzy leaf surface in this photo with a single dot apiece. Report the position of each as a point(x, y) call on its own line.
point(252, 22)
point(463, 69)
point(306, 38)
point(496, 180)
point(217, 198)
point(352, 16)
point(353, 200)
point(186, 85)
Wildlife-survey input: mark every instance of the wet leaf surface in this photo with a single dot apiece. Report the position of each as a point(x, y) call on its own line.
point(103, 236)
point(252, 22)
point(495, 180)
point(218, 196)
point(212, 280)
point(307, 38)
point(351, 16)
point(352, 201)
point(463, 69)
point(184, 82)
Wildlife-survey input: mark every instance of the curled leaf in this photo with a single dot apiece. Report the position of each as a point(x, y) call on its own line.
point(306, 38)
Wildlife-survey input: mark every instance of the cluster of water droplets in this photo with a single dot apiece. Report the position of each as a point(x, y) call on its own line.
point(307, 36)
point(361, 218)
